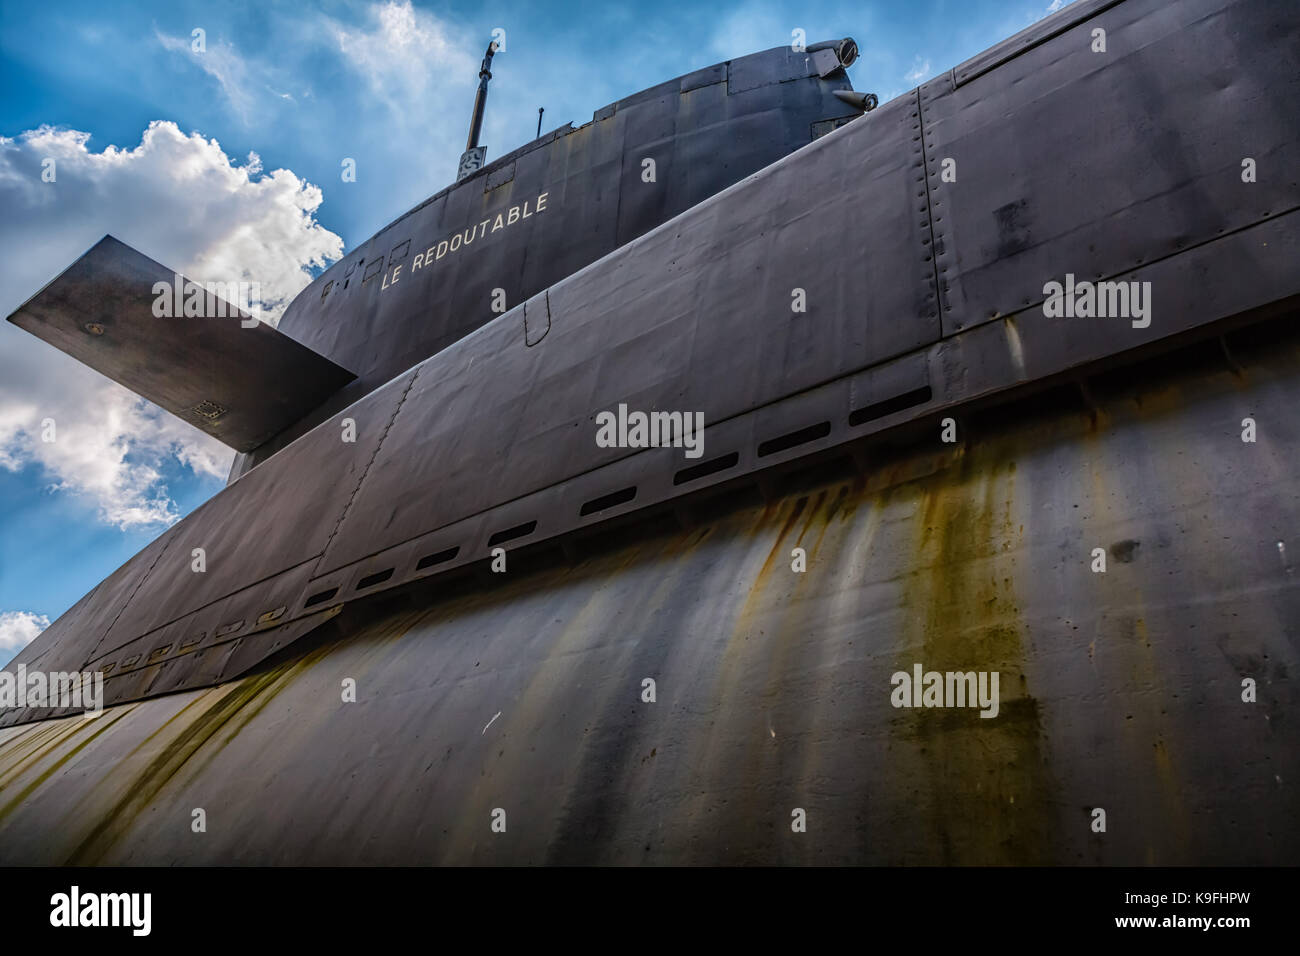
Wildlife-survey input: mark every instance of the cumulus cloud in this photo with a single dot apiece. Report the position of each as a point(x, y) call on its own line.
point(19, 628)
point(181, 200)
point(394, 79)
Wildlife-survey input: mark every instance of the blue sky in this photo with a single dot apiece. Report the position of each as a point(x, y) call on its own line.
point(263, 117)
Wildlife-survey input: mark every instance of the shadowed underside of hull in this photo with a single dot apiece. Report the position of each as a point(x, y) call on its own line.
point(1119, 691)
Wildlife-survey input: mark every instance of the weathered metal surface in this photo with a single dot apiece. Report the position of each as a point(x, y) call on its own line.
point(523, 693)
point(1119, 690)
point(379, 311)
point(77, 631)
point(310, 493)
point(1143, 159)
point(699, 321)
point(492, 440)
point(161, 598)
point(240, 385)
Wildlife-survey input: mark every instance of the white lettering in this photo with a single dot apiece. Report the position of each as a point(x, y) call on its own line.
point(461, 239)
point(131, 910)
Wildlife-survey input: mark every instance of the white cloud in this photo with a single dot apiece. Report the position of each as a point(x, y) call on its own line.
point(400, 82)
point(406, 55)
point(180, 200)
point(919, 71)
point(1056, 5)
point(19, 628)
point(221, 62)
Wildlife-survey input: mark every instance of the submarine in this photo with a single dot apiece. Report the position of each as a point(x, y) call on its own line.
point(435, 618)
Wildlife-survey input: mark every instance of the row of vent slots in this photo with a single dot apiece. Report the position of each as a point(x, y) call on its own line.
point(772, 446)
point(781, 443)
point(163, 650)
point(195, 640)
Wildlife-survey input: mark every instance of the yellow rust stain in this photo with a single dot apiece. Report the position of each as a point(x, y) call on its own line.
point(534, 706)
point(983, 780)
point(214, 709)
point(789, 622)
point(99, 726)
point(764, 592)
point(740, 745)
point(1136, 651)
point(847, 554)
point(781, 621)
point(34, 744)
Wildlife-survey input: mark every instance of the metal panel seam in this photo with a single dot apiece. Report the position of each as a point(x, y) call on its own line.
point(1128, 270)
point(929, 214)
point(94, 651)
point(365, 471)
point(1079, 16)
point(99, 654)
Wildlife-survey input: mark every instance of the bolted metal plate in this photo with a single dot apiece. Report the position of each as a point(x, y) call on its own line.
point(1144, 159)
point(240, 385)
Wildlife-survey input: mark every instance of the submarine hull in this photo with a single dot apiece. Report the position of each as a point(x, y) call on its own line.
point(773, 688)
point(478, 635)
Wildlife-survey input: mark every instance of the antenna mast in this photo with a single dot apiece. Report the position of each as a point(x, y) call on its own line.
point(472, 159)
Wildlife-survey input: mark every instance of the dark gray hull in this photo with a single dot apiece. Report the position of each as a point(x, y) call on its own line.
point(522, 691)
point(1120, 691)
